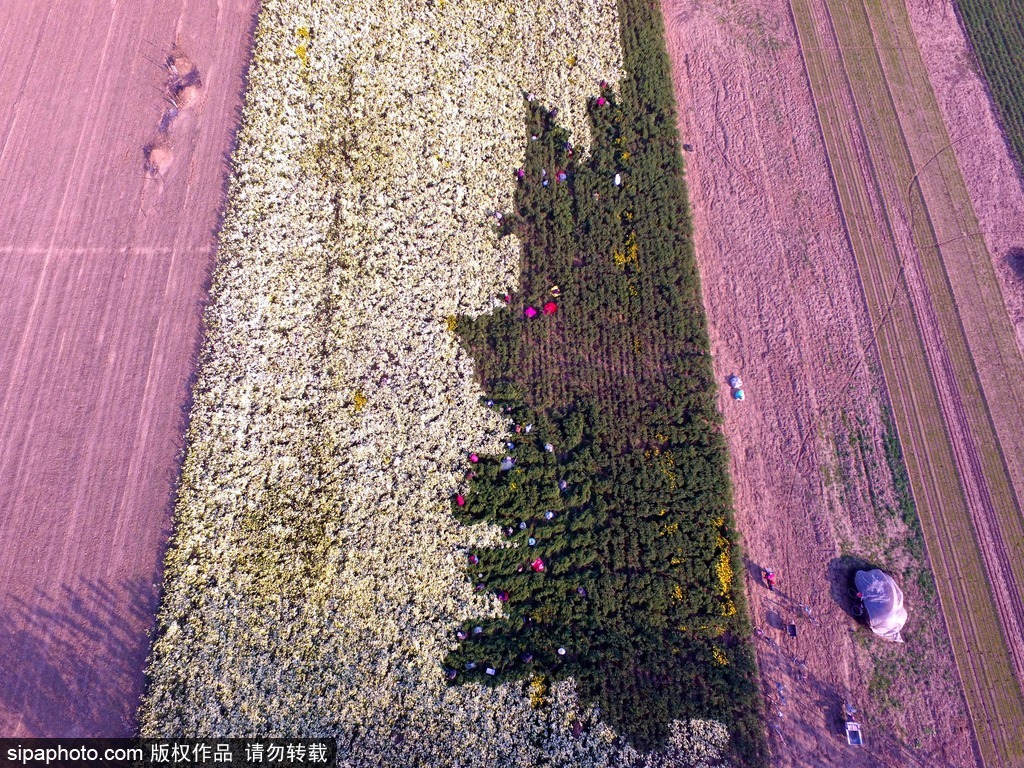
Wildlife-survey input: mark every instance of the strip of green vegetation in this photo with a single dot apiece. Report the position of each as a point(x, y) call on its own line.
point(996, 31)
point(622, 568)
point(901, 487)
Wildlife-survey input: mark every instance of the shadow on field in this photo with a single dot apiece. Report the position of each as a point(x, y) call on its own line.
point(803, 707)
point(71, 659)
point(1015, 258)
point(840, 580)
point(754, 571)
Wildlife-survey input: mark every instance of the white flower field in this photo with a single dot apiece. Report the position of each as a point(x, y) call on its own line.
point(316, 575)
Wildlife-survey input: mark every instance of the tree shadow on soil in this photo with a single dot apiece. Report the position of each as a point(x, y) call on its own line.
point(1015, 258)
point(841, 571)
point(72, 658)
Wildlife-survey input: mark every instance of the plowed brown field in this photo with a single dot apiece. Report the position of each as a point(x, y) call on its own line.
point(822, 177)
point(115, 122)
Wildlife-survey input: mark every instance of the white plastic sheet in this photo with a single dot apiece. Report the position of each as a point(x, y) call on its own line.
point(883, 601)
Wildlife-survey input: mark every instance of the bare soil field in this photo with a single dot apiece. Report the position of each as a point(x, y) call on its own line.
point(820, 485)
point(115, 124)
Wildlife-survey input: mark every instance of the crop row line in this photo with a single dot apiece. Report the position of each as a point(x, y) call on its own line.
point(963, 318)
point(925, 380)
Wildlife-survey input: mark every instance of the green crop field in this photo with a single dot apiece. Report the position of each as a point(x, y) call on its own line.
point(996, 31)
point(623, 568)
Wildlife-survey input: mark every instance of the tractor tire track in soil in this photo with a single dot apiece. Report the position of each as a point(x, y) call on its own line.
point(809, 445)
point(115, 125)
point(955, 317)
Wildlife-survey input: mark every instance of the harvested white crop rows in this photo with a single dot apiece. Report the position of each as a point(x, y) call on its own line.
point(316, 576)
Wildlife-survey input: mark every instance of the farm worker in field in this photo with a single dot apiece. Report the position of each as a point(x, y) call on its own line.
point(537, 565)
point(474, 458)
point(550, 308)
point(601, 101)
point(769, 577)
point(460, 500)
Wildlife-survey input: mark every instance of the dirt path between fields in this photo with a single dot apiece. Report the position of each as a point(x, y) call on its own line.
point(115, 121)
point(818, 487)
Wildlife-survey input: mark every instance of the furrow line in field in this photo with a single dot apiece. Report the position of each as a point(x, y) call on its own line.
point(991, 359)
point(976, 443)
point(925, 382)
point(963, 397)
